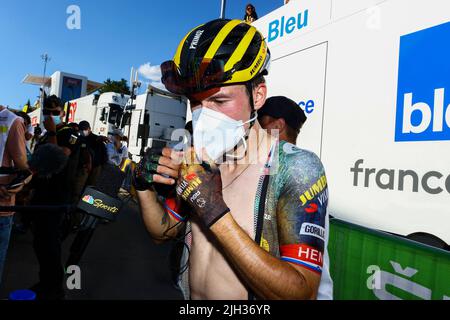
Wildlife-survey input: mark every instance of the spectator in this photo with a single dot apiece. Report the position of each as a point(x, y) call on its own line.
point(27, 121)
point(56, 190)
point(84, 167)
point(250, 14)
point(28, 133)
point(20, 223)
point(97, 148)
point(111, 177)
point(12, 154)
point(117, 151)
point(283, 114)
point(74, 126)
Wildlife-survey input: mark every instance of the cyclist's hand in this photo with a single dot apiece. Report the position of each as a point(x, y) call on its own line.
point(200, 184)
point(157, 166)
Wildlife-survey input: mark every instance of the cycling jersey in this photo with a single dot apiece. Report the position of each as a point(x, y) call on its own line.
point(291, 220)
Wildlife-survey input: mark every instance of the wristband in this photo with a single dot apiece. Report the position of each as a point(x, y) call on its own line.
point(172, 209)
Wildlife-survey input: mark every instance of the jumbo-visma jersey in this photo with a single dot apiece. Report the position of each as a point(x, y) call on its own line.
point(296, 221)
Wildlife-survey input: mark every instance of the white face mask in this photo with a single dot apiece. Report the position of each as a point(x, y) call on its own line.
point(217, 133)
point(85, 133)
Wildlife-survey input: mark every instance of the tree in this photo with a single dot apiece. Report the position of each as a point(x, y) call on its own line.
point(115, 86)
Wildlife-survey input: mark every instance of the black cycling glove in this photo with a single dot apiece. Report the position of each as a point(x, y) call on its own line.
point(146, 169)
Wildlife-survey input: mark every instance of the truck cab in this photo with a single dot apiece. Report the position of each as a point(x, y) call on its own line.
point(103, 111)
point(110, 108)
point(152, 119)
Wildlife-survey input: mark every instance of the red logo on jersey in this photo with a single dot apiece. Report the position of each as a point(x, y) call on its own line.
point(303, 255)
point(312, 208)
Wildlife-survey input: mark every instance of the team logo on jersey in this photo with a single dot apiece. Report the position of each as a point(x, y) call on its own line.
point(313, 230)
point(312, 208)
point(264, 244)
point(315, 189)
point(303, 255)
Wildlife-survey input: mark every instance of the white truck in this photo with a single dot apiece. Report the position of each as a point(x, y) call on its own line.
point(152, 118)
point(103, 112)
point(373, 78)
point(148, 120)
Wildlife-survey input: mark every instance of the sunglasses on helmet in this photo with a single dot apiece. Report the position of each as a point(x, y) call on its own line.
point(200, 76)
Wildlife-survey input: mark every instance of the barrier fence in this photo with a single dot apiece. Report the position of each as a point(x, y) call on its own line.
point(369, 265)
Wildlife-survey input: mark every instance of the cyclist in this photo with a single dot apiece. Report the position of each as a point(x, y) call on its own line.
point(253, 229)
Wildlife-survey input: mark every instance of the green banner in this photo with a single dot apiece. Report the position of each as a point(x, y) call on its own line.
point(370, 265)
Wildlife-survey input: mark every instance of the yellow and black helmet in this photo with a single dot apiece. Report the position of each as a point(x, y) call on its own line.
point(218, 53)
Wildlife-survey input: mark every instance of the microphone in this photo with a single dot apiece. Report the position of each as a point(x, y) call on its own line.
point(47, 160)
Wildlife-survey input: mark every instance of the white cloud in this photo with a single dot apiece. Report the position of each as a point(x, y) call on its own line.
point(159, 85)
point(152, 73)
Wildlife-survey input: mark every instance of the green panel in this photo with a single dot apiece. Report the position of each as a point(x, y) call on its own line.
point(369, 265)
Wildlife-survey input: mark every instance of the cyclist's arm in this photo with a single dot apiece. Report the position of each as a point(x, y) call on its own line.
point(301, 215)
point(160, 218)
point(267, 276)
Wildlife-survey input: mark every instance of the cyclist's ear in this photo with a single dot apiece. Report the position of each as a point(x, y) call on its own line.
point(259, 95)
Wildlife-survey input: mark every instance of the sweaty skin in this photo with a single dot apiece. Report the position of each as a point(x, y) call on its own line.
point(211, 275)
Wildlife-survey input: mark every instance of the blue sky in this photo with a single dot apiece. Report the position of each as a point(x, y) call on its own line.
point(114, 36)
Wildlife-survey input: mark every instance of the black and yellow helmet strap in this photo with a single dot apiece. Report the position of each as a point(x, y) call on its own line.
point(249, 88)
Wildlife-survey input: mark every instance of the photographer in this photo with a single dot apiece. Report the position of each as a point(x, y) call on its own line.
point(50, 191)
point(96, 148)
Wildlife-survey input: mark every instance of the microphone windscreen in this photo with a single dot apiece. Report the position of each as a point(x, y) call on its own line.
point(47, 160)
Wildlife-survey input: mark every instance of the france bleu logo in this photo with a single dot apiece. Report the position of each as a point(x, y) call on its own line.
point(423, 97)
